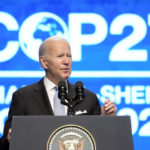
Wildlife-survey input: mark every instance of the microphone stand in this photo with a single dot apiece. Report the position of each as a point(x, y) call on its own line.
point(65, 100)
point(71, 108)
point(71, 103)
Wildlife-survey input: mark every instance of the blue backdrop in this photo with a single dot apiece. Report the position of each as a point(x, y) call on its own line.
point(110, 48)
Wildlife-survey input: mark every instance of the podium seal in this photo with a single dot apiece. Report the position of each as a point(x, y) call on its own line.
point(71, 137)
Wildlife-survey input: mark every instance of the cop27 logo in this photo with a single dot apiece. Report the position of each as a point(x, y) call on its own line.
point(50, 24)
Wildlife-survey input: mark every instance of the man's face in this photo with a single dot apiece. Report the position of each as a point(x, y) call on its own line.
point(58, 61)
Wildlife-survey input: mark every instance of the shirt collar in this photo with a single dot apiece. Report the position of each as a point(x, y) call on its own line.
point(50, 85)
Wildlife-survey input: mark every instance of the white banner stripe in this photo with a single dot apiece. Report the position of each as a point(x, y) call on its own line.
point(112, 74)
point(78, 74)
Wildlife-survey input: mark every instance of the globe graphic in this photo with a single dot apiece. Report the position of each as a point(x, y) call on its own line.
point(36, 28)
point(48, 27)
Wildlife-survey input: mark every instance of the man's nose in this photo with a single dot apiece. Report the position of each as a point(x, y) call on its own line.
point(65, 60)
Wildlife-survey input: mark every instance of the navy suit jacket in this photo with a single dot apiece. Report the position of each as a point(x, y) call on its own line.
point(33, 100)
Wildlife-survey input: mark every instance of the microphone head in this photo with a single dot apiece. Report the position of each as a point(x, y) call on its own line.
point(79, 89)
point(79, 84)
point(61, 84)
point(62, 90)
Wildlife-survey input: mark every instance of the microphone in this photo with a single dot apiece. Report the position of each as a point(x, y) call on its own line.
point(79, 89)
point(62, 94)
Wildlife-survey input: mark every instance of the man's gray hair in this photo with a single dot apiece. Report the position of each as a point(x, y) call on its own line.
point(44, 46)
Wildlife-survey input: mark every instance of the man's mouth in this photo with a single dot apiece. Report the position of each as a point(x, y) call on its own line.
point(65, 69)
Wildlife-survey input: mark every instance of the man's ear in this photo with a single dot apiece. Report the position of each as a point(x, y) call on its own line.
point(43, 62)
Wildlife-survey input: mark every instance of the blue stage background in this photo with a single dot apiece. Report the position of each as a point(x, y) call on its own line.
point(110, 46)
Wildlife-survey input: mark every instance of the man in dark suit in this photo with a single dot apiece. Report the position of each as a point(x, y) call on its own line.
point(39, 98)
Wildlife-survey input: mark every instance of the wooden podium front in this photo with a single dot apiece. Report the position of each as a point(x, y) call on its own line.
point(71, 133)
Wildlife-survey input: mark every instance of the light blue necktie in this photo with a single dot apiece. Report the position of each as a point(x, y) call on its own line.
point(59, 109)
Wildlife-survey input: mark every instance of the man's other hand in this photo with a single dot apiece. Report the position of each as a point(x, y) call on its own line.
point(109, 108)
point(9, 135)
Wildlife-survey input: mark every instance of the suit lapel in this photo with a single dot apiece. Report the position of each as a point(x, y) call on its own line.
point(41, 96)
point(71, 90)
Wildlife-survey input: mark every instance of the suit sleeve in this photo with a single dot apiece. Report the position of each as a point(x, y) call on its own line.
point(96, 108)
point(15, 109)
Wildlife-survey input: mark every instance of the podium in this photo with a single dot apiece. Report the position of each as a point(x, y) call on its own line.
point(71, 133)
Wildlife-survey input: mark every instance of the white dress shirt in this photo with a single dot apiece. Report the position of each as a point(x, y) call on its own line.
point(50, 89)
